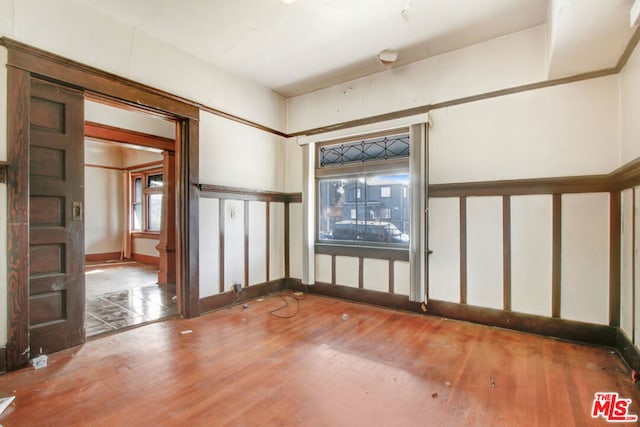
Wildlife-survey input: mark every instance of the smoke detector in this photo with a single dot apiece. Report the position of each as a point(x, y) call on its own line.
point(388, 57)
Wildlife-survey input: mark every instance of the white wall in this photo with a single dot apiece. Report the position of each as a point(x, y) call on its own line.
point(444, 241)
point(235, 155)
point(627, 259)
point(104, 199)
point(629, 106)
point(126, 119)
point(144, 246)
point(209, 247)
point(585, 257)
point(233, 243)
point(558, 131)
point(504, 62)
point(131, 158)
point(133, 54)
point(484, 252)
point(531, 254)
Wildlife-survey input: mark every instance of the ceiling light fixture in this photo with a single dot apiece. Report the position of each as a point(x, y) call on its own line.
point(288, 1)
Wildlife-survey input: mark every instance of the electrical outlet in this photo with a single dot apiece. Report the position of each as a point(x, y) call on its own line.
point(237, 287)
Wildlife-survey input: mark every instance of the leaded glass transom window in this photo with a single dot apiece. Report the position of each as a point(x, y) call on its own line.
point(373, 149)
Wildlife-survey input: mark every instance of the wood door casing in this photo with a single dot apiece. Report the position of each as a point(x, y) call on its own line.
point(56, 226)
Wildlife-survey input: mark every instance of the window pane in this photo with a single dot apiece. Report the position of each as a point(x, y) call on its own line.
point(154, 212)
point(352, 209)
point(137, 217)
point(154, 180)
point(379, 148)
point(137, 189)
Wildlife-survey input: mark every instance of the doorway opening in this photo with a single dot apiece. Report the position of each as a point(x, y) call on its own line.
point(129, 226)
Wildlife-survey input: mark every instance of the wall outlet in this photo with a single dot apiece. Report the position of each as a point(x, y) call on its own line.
point(237, 287)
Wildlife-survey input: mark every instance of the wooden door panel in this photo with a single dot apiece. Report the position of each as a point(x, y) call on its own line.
point(56, 237)
point(48, 114)
point(47, 308)
point(46, 211)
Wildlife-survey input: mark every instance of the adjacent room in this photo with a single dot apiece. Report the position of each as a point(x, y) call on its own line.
point(319, 212)
point(123, 219)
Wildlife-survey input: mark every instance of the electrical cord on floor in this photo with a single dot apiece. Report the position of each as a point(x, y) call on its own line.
point(296, 296)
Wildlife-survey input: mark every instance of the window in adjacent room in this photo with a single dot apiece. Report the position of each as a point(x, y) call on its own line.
point(146, 201)
point(362, 190)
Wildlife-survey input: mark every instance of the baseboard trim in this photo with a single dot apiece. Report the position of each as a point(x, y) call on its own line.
point(146, 259)
point(383, 299)
point(104, 256)
point(589, 333)
point(225, 299)
point(627, 350)
point(3, 359)
point(571, 330)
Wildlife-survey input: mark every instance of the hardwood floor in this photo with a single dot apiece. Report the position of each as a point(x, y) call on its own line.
point(334, 364)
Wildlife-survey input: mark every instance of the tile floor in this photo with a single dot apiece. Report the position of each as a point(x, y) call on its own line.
point(143, 302)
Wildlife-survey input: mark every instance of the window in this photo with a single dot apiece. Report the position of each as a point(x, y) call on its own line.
point(146, 201)
point(362, 187)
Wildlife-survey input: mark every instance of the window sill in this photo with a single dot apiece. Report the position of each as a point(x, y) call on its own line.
point(146, 234)
point(399, 253)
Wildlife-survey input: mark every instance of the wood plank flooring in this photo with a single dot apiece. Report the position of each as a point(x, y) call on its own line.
point(334, 364)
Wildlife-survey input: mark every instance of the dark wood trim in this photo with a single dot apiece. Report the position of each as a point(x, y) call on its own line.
point(384, 299)
point(113, 168)
point(287, 237)
point(146, 259)
point(361, 272)
point(246, 243)
point(574, 184)
point(400, 254)
point(145, 235)
point(614, 258)
point(556, 263)
point(626, 176)
point(463, 250)
point(3, 171)
point(626, 54)
point(235, 193)
point(27, 62)
point(240, 120)
point(144, 167)
point(541, 325)
point(226, 299)
point(103, 256)
point(188, 171)
point(134, 94)
point(333, 269)
point(408, 112)
point(268, 239)
point(506, 253)
point(45, 64)
point(627, 350)
point(634, 248)
point(221, 222)
point(116, 134)
point(3, 359)
point(18, 105)
point(392, 284)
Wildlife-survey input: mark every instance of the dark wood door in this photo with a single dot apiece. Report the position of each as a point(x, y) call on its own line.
point(56, 231)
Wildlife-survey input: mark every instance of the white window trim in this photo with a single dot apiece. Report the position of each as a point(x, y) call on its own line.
point(418, 172)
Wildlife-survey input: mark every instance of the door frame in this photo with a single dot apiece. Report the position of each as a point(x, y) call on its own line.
point(24, 63)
